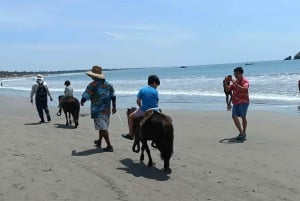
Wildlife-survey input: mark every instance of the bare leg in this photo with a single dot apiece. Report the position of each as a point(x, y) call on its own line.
point(227, 100)
point(130, 123)
point(230, 99)
point(244, 122)
point(100, 139)
point(104, 134)
point(237, 124)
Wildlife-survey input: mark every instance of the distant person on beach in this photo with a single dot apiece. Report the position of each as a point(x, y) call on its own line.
point(147, 98)
point(67, 93)
point(240, 100)
point(1, 84)
point(298, 85)
point(101, 94)
point(228, 93)
point(41, 92)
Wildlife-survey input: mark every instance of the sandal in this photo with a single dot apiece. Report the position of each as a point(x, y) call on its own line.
point(127, 136)
point(241, 137)
point(108, 149)
point(97, 143)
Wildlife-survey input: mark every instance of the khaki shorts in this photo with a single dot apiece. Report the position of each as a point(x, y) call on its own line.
point(102, 123)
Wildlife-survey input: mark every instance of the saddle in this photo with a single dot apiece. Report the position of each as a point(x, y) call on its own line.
point(146, 116)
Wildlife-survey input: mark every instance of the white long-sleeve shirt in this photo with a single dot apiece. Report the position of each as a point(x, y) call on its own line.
point(68, 91)
point(35, 87)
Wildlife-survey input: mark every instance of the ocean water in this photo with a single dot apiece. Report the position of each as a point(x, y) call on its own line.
point(273, 85)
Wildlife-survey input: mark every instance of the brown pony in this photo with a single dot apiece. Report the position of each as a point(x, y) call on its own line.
point(70, 106)
point(158, 128)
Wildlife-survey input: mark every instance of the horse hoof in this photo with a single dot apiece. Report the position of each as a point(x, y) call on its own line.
point(168, 170)
point(142, 158)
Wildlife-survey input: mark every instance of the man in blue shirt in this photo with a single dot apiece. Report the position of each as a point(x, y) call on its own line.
point(147, 98)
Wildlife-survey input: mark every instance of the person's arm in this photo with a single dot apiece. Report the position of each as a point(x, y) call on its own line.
point(139, 102)
point(227, 86)
point(48, 92)
point(114, 105)
point(139, 98)
point(33, 90)
point(87, 94)
point(66, 91)
point(113, 98)
point(244, 87)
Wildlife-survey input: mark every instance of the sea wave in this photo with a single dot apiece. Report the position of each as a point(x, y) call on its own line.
point(184, 93)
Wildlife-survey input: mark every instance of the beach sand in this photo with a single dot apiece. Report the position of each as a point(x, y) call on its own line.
point(53, 162)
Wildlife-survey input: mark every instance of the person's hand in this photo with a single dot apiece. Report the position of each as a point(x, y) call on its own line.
point(114, 110)
point(51, 99)
point(31, 101)
point(82, 101)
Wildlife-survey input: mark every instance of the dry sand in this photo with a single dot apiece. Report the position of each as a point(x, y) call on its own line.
point(50, 161)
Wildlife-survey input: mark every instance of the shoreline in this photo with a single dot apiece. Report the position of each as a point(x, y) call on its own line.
point(124, 103)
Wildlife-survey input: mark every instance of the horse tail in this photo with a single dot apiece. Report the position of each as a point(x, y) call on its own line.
point(77, 106)
point(167, 142)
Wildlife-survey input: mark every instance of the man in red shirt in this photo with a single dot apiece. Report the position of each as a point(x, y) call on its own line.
point(240, 101)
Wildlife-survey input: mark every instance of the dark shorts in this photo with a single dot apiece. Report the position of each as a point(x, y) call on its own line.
point(227, 92)
point(240, 110)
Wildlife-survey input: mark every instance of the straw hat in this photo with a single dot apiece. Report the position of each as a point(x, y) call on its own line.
point(96, 72)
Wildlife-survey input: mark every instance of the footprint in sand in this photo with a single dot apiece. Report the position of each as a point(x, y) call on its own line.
point(18, 186)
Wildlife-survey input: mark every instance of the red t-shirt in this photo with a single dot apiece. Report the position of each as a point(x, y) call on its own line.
point(240, 96)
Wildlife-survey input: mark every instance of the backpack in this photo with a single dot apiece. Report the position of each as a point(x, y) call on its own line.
point(41, 91)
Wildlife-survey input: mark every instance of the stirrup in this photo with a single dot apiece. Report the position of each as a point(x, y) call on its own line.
point(58, 113)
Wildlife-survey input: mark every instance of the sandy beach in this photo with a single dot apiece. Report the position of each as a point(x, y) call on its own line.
point(41, 162)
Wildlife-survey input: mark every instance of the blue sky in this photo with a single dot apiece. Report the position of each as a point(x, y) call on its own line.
point(77, 34)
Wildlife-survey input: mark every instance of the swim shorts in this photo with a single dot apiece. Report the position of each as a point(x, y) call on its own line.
point(240, 110)
point(102, 123)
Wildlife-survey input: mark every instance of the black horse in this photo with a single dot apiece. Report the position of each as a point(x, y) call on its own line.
point(158, 128)
point(70, 106)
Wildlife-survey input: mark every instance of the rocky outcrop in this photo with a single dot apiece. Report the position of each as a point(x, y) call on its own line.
point(297, 56)
point(288, 58)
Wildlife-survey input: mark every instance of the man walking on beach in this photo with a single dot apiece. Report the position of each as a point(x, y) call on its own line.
point(240, 100)
point(147, 98)
point(101, 94)
point(228, 93)
point(41, 91)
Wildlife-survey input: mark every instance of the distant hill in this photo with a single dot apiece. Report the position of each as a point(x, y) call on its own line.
point(297, 56)
point(9, 74)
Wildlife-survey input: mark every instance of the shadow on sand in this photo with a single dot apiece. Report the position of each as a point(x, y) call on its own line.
point(35, 123)
point(87, 152)
point(139, 169)
point(64, 126)
point(231, 141)
point(84, 115)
